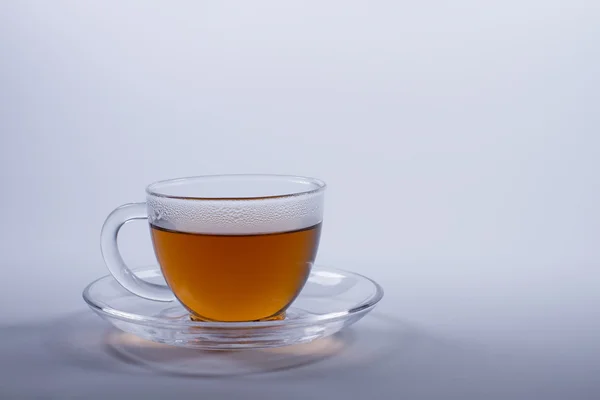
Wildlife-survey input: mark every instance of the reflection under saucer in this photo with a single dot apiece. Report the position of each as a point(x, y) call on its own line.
point(195, 362)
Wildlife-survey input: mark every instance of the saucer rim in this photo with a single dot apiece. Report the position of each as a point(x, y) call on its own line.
point(104, 309)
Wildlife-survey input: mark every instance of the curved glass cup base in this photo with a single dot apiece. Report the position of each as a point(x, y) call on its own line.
point(279, 317)
point(331, 300)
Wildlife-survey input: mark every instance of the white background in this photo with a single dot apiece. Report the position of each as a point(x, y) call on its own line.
point(460, 141)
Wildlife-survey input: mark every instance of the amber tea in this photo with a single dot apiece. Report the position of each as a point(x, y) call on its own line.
point(236, 277)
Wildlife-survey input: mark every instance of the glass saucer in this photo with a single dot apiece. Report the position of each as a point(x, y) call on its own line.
point(332, 299)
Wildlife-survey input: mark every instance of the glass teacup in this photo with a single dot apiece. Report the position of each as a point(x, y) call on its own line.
point(231, 247)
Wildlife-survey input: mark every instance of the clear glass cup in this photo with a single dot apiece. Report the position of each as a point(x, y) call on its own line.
point(231, 248)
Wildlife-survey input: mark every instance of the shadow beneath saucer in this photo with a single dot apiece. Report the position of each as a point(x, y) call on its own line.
point(84, 340)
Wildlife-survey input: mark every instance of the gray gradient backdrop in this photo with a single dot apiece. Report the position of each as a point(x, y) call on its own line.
point(460, 140)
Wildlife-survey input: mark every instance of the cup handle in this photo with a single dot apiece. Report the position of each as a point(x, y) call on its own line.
point(117, 267)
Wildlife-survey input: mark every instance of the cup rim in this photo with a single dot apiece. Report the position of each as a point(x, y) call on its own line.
point(153, 188)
